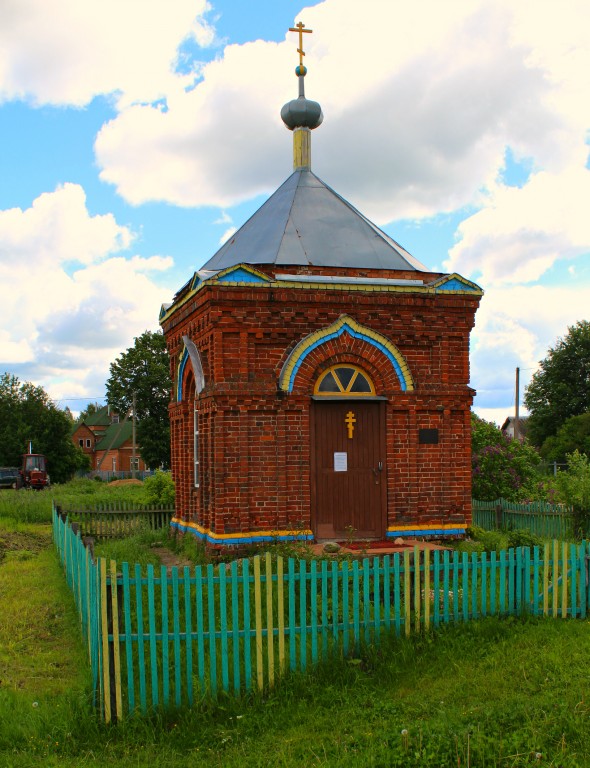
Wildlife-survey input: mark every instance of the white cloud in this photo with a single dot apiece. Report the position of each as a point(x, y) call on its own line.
point(57, 226)
point(419, 107)
point(496, 415)
point(514, 327)
point(68, 51)
point(75, 302)
point(226, 235)
point(215, 145)
point(520, 233)
point(224, 218)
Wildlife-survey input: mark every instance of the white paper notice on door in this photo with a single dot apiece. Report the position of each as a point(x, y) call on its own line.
point(340, 462)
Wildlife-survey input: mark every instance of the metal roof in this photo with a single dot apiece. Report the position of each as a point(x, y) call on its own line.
point(306, 223)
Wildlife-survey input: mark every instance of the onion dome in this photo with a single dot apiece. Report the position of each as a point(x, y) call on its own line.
point(301, 112)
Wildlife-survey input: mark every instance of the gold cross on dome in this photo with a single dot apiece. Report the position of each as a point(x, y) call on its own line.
point(301, 29)
point(350, 421)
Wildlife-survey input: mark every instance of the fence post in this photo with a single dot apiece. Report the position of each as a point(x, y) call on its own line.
point(498, 516)
point(88, 542)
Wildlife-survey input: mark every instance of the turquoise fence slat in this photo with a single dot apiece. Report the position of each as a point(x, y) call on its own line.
point(154, 636)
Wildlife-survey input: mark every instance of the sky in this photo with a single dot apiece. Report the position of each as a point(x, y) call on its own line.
point(135, 136)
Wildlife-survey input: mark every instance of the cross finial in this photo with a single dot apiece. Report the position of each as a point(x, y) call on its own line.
point(301, 29)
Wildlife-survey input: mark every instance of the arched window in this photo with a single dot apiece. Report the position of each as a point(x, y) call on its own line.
point(344, 381)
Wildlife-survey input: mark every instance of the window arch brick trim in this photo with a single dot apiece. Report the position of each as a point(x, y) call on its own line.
point(344, 324)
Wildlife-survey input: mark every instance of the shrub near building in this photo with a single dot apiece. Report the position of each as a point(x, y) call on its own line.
point(501, 467)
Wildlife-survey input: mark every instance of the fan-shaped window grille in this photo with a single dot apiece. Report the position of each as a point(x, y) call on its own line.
point(344, 381)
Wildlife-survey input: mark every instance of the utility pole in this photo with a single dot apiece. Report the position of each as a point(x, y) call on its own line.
point(517, 406)
point(133, 441)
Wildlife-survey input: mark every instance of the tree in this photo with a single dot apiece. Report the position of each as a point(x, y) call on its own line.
point(573, 435)
point(144, 370)
point(90, 410)
point(561, 388)
point(573, 487)
point(501, 467)
point(28, 415)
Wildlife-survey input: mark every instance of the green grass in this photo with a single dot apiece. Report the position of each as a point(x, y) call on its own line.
point(43, 662)
point(35, 506)
point(133, 549)
point(489, 693)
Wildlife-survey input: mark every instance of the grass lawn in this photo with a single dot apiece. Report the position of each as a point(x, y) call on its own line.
point(510, 692)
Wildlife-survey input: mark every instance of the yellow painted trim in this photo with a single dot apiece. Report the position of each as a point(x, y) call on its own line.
point(317, 337)
point(245, 268)
point(258, 622)
point(475, 289)
point(241, 535)
point(269, 622)
point(429, 527)
point(344, 392)
point(301, 148)
point(428, 289)
point(427, 589)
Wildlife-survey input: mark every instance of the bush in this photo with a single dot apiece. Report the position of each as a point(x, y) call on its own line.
point(159, 489)
point(501, 468)
point(490, 541)
point(573, 488)
point(523, 538)
point(470, 546)
point(495, 541)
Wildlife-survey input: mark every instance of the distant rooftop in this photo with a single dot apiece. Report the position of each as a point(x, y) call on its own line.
point(115, 436)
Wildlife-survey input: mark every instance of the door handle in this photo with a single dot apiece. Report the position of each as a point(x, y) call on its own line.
point(380, 466)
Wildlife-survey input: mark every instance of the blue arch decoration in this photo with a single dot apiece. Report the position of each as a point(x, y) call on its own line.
point(345, 324)
point(190, 353)
point(180, 374)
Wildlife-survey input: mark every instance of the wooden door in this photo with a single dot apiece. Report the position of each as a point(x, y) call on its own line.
point(348, 469)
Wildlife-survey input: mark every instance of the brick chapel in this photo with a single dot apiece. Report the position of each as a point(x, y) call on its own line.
point(320, 376)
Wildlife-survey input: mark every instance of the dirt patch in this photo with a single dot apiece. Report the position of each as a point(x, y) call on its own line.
point(171, 559)
point(22, 544)
point(130, 481)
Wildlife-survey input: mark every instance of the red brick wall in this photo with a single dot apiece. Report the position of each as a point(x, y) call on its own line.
point(254, 439)
point(122, 457)
point(84, 433)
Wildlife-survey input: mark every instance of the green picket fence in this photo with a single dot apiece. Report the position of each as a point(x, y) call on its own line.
point(120, 519)
point(549, 521)
point(162, 638)
point(83, 579)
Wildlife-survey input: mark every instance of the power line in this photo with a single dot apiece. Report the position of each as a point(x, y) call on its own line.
point(89, 397)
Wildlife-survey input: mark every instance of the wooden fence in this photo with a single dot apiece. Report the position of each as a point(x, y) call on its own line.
point(546, 520)
point(161, 638)
point(114, 521)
